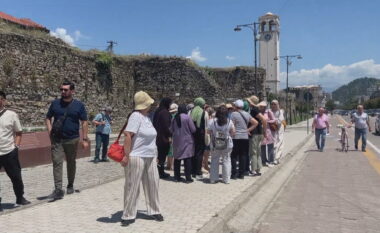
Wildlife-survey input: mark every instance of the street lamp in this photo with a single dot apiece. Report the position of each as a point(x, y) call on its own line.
point(288, 59)
point(253, 27)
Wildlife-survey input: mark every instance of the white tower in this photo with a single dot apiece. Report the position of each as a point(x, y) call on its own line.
point(269, 47)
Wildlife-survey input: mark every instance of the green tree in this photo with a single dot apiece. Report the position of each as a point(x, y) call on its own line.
point(330, 105)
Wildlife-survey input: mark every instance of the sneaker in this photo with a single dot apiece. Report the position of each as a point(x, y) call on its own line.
point(276, 162)
point(127, 222)
point(199, 177)
point(22, 201)
point(241, 177)
point(96, 160)
point(234, 177)
point(69, 190)
point(158, 217)
point(270, 165)
point(258, 173)
point(356, 147)
point(105, 160)
point(364, 150)
point(56, 195)
point(321, 150)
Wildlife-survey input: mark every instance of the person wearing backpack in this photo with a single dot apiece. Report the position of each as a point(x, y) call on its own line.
point(241, 120)
point(221, 130)
point(103, 122)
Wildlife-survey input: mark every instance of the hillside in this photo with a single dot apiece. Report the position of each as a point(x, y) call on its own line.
point(347, 93)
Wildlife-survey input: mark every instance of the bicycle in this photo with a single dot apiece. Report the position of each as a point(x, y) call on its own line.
point(343, 138)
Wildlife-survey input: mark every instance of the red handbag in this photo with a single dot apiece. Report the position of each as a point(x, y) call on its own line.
point(116, 151)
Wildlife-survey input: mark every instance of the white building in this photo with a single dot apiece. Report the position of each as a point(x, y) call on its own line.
point(269, 48)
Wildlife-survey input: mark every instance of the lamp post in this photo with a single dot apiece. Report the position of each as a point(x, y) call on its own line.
point(288, 59)
point(253, 27)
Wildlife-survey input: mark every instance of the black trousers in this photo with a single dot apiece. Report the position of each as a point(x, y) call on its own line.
point(12, 167)
point(163, 151)
point(239, 153)
point(177, 168)
point(196, 160)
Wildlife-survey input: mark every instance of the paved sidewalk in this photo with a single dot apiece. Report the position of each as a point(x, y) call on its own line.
point(186, 207)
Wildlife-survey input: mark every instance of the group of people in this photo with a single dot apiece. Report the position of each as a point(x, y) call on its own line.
point(359, 119)
point(64, 120)
point(244, 136)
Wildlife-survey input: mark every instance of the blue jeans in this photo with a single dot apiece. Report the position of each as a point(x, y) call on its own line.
point(320, 138)
point(102, 140)
point(361, 133)
point(267, 158)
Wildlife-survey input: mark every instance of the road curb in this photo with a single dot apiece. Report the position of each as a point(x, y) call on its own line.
point(219, 222)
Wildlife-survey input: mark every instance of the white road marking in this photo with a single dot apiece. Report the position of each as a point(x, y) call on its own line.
point(374, 147)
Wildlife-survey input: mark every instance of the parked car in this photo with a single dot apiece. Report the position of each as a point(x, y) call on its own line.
point(377, 125)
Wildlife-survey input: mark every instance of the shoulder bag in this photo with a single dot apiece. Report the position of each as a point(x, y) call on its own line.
point(1, 113)
point(56, 129)
point(116, 150)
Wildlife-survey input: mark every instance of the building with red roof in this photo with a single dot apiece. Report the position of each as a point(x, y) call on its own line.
point(23, 22)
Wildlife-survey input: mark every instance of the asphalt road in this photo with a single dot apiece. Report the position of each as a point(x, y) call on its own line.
point(373, 138)
point(332, 191)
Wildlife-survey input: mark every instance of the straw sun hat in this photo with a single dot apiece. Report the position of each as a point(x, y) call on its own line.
point(253, 100)
point(142, 100)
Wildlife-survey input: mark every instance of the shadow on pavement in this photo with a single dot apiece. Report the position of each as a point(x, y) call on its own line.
point(116, 217)
point(312, 150)
point(8, 206)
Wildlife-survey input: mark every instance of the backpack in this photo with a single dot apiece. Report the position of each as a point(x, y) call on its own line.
point(220, 138)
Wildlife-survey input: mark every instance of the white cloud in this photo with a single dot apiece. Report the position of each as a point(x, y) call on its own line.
point(330, 77)
point(62, 34)
point(230, 58)
point(66, 37)
point(78, 35)
point(196, 55)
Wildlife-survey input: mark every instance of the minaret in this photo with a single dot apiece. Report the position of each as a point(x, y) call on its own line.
point(269, 48)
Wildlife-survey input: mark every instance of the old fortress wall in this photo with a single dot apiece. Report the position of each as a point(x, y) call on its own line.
point(32, 68)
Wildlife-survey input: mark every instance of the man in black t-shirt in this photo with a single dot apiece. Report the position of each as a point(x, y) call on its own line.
point(256, 136)
point(68, 113)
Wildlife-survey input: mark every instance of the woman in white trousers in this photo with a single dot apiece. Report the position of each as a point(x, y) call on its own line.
point(221, 128)
point(139, 162)
point(279, 135)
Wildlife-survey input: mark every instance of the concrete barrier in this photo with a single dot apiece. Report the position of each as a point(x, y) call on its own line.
point(35, 149)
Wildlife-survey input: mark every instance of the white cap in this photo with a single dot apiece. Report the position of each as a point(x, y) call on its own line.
point(239, 103)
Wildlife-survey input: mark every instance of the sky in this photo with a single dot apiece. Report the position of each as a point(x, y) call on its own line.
point(338, 39)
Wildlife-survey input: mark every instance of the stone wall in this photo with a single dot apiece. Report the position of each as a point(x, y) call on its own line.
point(31, 70)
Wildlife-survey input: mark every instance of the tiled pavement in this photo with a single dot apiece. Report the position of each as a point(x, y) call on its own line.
point(186, 207)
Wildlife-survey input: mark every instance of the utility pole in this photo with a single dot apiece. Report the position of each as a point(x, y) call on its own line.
point(288, 63)
point(110, 46)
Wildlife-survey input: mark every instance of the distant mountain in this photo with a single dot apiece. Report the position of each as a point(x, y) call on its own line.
point(347, 94)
